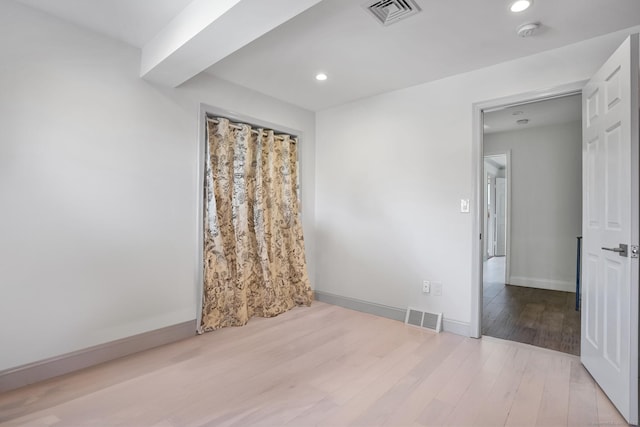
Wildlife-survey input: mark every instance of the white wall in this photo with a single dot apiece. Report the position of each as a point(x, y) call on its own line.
point(98, 187)
point(390, 173)
point(546, 202)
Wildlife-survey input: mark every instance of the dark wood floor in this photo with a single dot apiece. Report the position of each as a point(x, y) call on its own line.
point(533, 316)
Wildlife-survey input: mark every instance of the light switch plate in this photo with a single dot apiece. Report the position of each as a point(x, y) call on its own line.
point(464, 205)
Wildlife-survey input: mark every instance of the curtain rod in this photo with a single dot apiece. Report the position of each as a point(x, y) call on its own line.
point(294, 139)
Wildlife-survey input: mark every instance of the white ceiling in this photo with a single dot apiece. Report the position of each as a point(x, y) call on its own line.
point(543, 113)
point(134, 22)
point(361, 57)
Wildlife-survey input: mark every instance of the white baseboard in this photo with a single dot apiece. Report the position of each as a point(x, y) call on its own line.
point(363, 306)
point(448, 325)
point(456, 327)
point(44, 369)
point(532, 282)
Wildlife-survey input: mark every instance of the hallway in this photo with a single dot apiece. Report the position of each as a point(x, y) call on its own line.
point(539, 317)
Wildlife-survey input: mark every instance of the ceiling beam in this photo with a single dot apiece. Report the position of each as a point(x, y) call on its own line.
point(207, 31)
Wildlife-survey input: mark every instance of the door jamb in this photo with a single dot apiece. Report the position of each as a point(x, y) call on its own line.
point(477, 158)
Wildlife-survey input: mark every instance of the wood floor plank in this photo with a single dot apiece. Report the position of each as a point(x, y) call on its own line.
point(321, 366)
point(582, 404)
point(499, 400)
point(467, 385)
point(430, 359)
point(432, 379)
point(490, 396)
point(554, 406)
point(526, 402)
point(607, 413)
point(539, 317)
point(367, 389)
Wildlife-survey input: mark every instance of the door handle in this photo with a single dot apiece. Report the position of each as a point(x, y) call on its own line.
point(622, 250)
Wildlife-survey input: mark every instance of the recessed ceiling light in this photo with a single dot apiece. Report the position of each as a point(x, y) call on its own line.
point(321, 77)
point(522, 121)
point(520, 5)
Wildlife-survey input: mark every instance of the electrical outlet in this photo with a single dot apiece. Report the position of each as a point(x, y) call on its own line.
point(436, 288)
point(426, 286)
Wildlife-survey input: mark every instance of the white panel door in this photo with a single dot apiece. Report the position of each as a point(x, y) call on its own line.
point(609, 343)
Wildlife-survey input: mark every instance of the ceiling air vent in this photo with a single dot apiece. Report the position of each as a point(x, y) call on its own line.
point(389, 11)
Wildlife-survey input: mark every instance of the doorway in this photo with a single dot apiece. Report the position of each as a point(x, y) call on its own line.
point(495, 206)
point(534, 302)
point(609, 274)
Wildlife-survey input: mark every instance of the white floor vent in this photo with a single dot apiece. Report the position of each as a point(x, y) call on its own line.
point(423, 319)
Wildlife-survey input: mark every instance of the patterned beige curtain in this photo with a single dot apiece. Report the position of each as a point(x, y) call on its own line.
point(254, 260)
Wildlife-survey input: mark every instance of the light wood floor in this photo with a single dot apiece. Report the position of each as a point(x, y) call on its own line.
point(324, 366)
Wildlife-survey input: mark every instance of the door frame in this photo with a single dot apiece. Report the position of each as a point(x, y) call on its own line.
point(477, 172)
point(507, 213)
point(489, 183)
